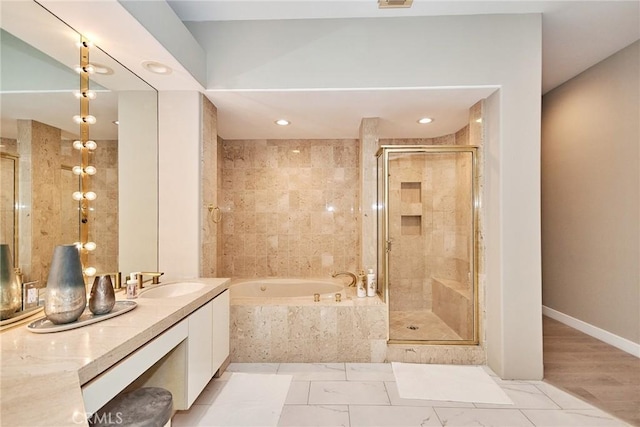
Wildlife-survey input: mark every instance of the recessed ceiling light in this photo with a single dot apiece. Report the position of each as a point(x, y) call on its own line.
point(157, 67)
point(425, 120)
point(101, 69)
point(282, 122)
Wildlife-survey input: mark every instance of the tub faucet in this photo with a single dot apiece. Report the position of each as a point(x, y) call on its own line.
point(354, 279)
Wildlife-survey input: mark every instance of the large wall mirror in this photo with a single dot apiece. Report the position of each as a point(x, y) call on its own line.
point(38, 80)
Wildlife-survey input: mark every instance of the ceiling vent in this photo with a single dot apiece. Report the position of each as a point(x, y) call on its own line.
point(387, 4)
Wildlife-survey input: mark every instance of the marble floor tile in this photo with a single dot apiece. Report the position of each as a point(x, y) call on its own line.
point(419, 325)
point(369, 372)
point(314, 415)
point(482, 417)
point(523, 396)
point(348, 393)
point(249, 399)
point(298, 393)
point(191, 418)
point(210, 392)
point(394, 397)
point(357, 394)
point(392, 416)
point(314, 371)
point(568, 418)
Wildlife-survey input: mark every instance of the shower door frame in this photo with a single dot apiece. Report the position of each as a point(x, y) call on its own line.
point(383, 243)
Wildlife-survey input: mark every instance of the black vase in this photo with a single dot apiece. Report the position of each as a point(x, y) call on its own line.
point(66, 296)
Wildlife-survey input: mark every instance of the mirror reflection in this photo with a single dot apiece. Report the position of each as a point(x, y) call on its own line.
point(38, 84)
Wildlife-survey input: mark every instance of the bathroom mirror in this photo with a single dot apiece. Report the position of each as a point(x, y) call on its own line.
point(38, 80)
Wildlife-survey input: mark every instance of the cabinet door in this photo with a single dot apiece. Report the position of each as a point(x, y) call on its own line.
point(220, 347)
point(199, 352)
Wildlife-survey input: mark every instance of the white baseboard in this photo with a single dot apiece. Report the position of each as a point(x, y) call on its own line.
point(605, 336)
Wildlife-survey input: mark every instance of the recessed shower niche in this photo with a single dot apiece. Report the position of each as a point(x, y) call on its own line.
point(427, 242)
point(411, 208)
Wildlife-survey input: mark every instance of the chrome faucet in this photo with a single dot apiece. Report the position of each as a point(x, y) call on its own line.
point(354, 279)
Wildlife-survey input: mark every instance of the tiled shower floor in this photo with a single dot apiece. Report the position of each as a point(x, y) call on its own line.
point(419, 325)
point(365, 394)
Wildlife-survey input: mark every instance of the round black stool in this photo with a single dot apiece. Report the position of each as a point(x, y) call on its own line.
point(144, 407)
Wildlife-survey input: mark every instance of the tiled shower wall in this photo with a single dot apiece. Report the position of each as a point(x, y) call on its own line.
point(443, 234)
point(209, 260)
point(290, 207)
point(430, 218)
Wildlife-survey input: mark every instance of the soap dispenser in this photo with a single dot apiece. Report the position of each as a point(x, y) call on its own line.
point(132, 286)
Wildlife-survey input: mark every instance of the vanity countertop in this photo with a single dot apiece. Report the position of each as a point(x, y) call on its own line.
point(41, 375)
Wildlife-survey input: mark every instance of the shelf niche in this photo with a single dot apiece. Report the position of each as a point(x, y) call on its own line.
point(411, 202)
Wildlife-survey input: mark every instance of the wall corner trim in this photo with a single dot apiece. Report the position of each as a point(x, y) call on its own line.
point(598, 333)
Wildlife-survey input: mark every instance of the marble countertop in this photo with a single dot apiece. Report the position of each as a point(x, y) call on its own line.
point(41, 375)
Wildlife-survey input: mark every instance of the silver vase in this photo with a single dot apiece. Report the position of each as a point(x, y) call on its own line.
point(10, 292)
point(102, 297)
point(66, 295)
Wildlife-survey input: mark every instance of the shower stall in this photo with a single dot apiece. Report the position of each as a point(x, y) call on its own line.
point(427, 208)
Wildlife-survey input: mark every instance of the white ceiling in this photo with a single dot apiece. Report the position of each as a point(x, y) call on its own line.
point(576, 35)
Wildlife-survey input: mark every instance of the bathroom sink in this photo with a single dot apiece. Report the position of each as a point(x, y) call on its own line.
point(172, 290)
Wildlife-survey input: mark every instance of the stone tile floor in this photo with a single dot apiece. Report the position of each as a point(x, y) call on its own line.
point(365, 394)
point(418, 325)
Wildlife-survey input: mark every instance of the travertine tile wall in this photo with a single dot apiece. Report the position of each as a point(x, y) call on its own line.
point(438, 244)
point(368, 191)
point(353, 330)
point(209, 190)
point(40, 160)
point(48, 215)
point(290, 208)
point(437, 225)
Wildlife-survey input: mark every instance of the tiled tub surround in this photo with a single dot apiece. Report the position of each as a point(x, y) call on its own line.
point(290, 208)
point(301, 330)
point(48, 370)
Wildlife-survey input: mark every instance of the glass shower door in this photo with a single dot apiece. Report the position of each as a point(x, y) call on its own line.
point(429, 244)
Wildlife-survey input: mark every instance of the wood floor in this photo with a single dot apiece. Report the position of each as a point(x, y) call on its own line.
point(600, 374)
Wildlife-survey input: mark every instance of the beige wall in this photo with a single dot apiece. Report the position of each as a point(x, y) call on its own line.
point(590, 196)
point(289, 214)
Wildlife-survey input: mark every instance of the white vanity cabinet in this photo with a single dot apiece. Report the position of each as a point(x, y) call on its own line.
point(220, 332)
point(199, 351)
point(183, 359)
point(207, 344)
